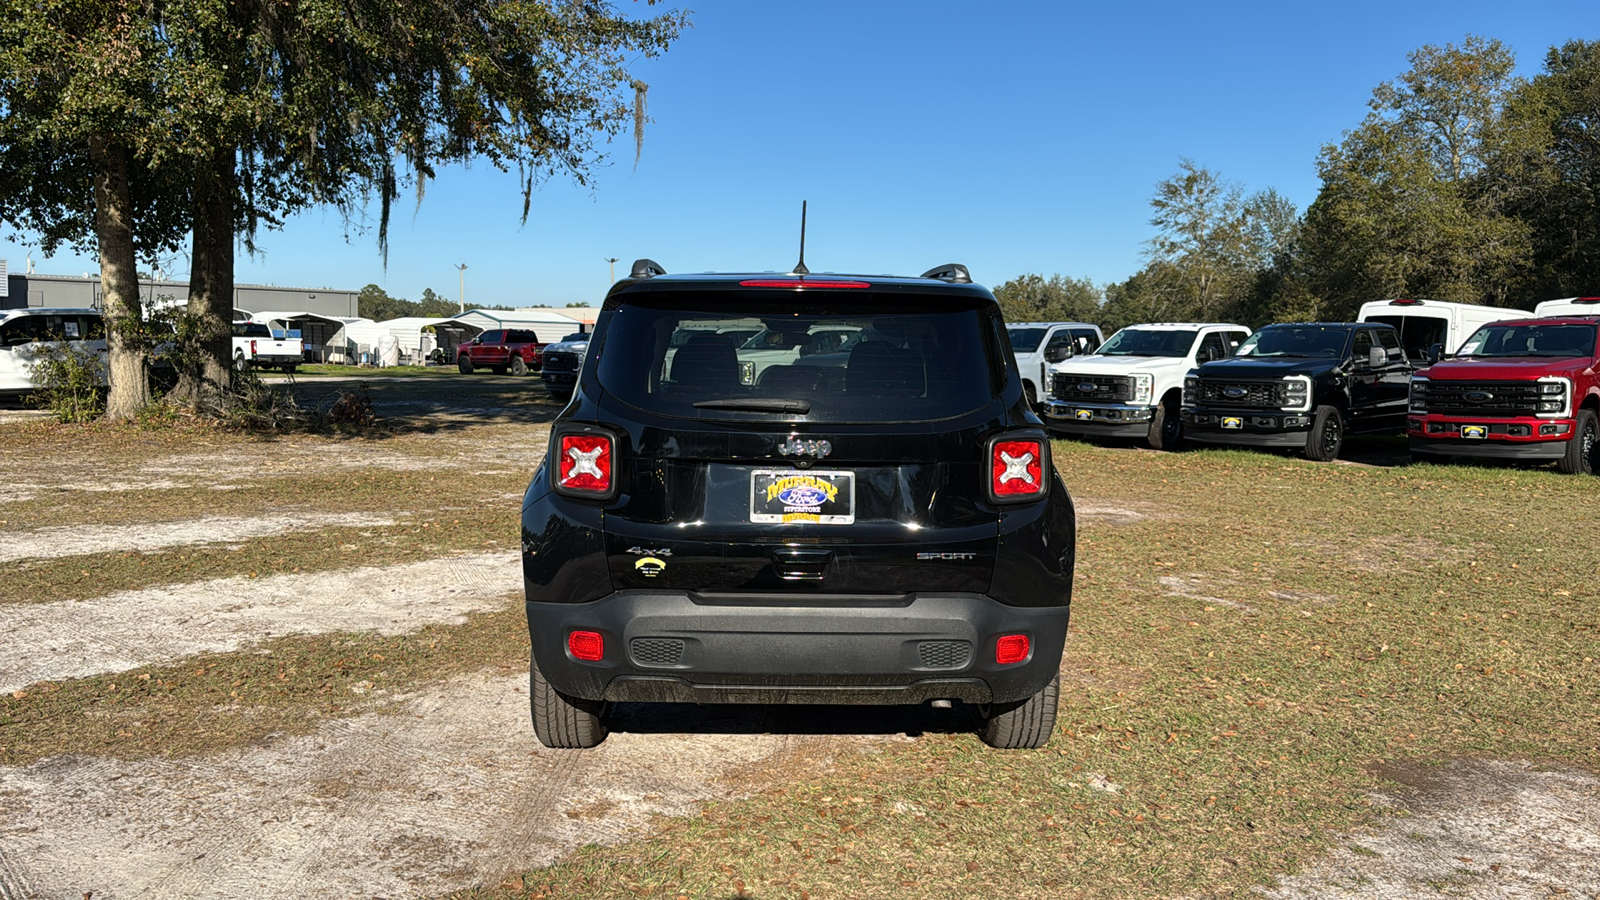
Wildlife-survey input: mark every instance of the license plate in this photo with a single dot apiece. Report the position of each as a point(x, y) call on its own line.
point(1234, 422)
point(1083, 415)
point(558, 378)
point(1477, 432)
point(791, 496)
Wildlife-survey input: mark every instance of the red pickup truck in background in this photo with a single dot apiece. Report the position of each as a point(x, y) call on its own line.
point(1519, 389)
point(500, 351)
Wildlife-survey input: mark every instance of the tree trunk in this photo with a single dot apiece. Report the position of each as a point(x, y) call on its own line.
point(211, 279)
point(119, 278)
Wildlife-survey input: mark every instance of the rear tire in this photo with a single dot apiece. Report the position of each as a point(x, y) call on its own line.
point(1327, 435)
point(1026, 725)
point(1166, 428)
point(464, 365)
point(240, 364)
point(1583, 448)
point(561, 722)
point(518, 367)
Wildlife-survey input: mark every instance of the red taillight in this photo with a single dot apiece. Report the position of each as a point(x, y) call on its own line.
point(252, 348)
point(1016, 469)
point(586, 463)
point(1011, 648)
point(803, 283)
point(590, 646)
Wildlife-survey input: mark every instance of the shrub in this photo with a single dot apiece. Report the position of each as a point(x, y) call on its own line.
point(71, 381)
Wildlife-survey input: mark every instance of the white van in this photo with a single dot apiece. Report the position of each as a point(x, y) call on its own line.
point(1425, 324)
point(1571, 306)
point(22, 331)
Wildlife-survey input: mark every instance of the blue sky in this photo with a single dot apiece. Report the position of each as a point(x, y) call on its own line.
point(1013, 137)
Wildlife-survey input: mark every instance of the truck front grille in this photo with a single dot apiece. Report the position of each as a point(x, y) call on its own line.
point(1490, 399)
point(1102, 388)
point(1242, 394)
point(560, 361)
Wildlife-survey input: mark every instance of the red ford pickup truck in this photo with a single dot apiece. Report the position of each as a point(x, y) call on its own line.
point(1518, 389)
point(501, 350)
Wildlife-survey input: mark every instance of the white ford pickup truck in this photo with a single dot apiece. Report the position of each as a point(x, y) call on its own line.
point(254, 347)
point(1036, 345)
point(1132, 387)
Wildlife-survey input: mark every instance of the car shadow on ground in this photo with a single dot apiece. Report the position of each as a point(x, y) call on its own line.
point(736, 718)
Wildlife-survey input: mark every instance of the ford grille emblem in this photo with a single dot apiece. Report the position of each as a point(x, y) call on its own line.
point(1088, 387)
point(794, 446)
point(1234, 393)
point(1478, 396)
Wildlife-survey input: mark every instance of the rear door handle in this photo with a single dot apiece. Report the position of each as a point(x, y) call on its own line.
point(800, 563)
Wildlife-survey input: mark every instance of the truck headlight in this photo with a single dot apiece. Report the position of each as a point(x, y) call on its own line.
point(1555, 397)
point(1296, 392)
point(1143, 387)
point(1419, 394)
point(1191, 390)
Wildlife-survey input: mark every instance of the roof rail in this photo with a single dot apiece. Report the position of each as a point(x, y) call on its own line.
point(647, 268)
point(954, 273)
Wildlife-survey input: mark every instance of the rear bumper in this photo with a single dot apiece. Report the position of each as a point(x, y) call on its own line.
point(673, 646)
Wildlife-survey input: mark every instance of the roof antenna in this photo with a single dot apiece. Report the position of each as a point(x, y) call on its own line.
point(800, 267)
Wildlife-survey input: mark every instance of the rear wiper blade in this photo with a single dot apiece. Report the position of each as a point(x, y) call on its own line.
point(758, 404)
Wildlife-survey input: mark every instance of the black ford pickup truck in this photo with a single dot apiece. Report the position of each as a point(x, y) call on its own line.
point(1302, 385)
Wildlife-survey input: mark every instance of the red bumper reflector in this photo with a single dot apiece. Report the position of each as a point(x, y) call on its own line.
point(586, 645)
point(1011, 648)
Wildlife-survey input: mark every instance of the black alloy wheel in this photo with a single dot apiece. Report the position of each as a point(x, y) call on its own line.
point(1327, 435)
point(1584, 446)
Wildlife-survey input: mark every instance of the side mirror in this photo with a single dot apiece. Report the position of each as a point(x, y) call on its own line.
point(1377, 356)
point(1057, 354)
point(1206, 355)
point(1435, 353)
point(477, 340)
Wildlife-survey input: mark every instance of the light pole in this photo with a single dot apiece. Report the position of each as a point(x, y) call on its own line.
point(463, 288)
point(613, 261)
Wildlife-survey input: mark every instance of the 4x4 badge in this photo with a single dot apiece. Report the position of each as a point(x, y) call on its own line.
point(794, 446)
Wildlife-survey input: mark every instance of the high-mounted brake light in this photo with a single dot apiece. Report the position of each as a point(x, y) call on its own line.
point(1011, 648)
point(1017, 469)
point(1586, 300)
point(586, 645)
point(803, 283)
point(586, 465)
point(1405, 302)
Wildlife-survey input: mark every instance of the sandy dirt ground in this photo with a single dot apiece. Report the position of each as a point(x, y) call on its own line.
point(129, 629)
point(77, 540)
point(448, 790)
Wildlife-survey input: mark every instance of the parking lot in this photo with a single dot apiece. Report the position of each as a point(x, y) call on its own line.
point(233, 664)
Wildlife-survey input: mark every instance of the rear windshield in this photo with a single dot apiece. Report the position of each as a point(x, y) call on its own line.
point(251, 329)
point(851, 359)
point(1417, 333)
point(1025, 340)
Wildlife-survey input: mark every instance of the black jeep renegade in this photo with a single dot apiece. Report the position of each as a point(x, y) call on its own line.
point(797, 489)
